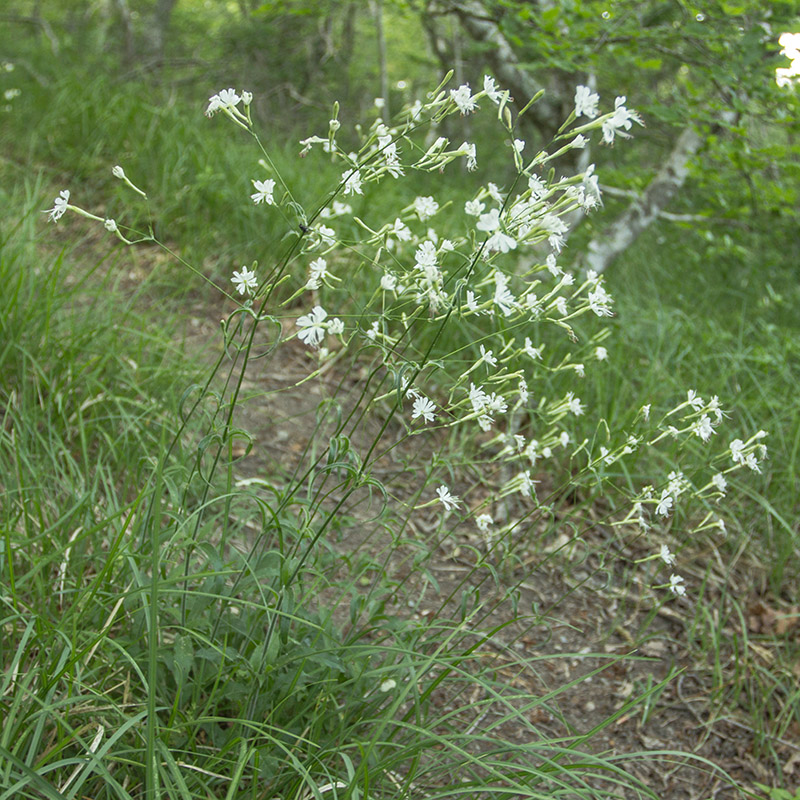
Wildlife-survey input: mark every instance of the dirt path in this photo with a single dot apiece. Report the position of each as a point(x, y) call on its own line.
point(597, 635)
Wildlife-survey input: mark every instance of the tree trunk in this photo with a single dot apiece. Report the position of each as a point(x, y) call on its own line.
point(649, 205)
point(156, 31)
point(127, 32)
point(475, 19)
point(384, 73)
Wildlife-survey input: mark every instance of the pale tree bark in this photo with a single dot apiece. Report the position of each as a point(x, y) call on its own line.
point(156, 31)
point(478, 23)
point(38, 22)
point(648, 206)
point(127, 31)
point(384, 72)
point(644, 209)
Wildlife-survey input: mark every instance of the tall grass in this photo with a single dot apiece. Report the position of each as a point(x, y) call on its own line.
point(146, 654)
point(175, 629)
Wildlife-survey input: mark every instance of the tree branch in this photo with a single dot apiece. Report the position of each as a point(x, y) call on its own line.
point(648, 206)
point(479, 24)
point(645, 208)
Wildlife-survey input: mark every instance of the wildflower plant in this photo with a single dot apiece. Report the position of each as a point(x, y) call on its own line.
point(458, 315)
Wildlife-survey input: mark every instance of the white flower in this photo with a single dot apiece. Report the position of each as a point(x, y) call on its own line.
point(702, 428)
point(600, 353)
point(388, 282)
point(552, 267)
point(492, 92)
point(646, 411)
point(694, 400)
point(676, 585)
point(600, 301)
point(665, 504)
point(470, 152)
point(586, 102)
point(448, 500)
point(474, 208)
point(519, 145)
point(472, 303)
point(311, 326)
point(500, 242)
point(118, 172)
point(579, 142)
point(564, 438)
point(400, 231)
point(677, 483)
point(666, 556)
point(533, 352)
point(337, 209)
point(386, 686)
point(495, 402)
point(494, 192)
point(580, 369)
point(425, 207)
point(59, 206)
point(574, 404)
point(489, 222)
point(245, 281)
point(423, 408)
point(556, 227)
point(327, 235)
point(483, 521)
point(715, 408)
point(719, 482)
point(425, 255)
point(247, 98)
point(318, 271)
point(537, 186)
point(352, 182)
point(503, 298)
point(463, 98)
point(752, 462)
point(110, 225)
point(336, 326)
point(620, 121)
point(478, 398)
point(263, 192)
point(227, 99)
point(737, 446)
point(488, 357)
point(526, 484)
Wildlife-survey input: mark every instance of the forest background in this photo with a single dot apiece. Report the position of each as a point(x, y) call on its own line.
point(169, 631)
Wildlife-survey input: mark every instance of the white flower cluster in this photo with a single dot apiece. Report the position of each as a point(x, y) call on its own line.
point(493, 262)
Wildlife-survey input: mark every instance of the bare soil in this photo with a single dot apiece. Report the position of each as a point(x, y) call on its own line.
point(600, 623)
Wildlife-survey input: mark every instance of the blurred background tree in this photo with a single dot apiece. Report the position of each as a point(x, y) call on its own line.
point(701, 73)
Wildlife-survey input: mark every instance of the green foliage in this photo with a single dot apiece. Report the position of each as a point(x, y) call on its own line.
point(128, 603)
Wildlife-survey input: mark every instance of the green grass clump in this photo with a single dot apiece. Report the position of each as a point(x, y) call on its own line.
point(171, 629)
